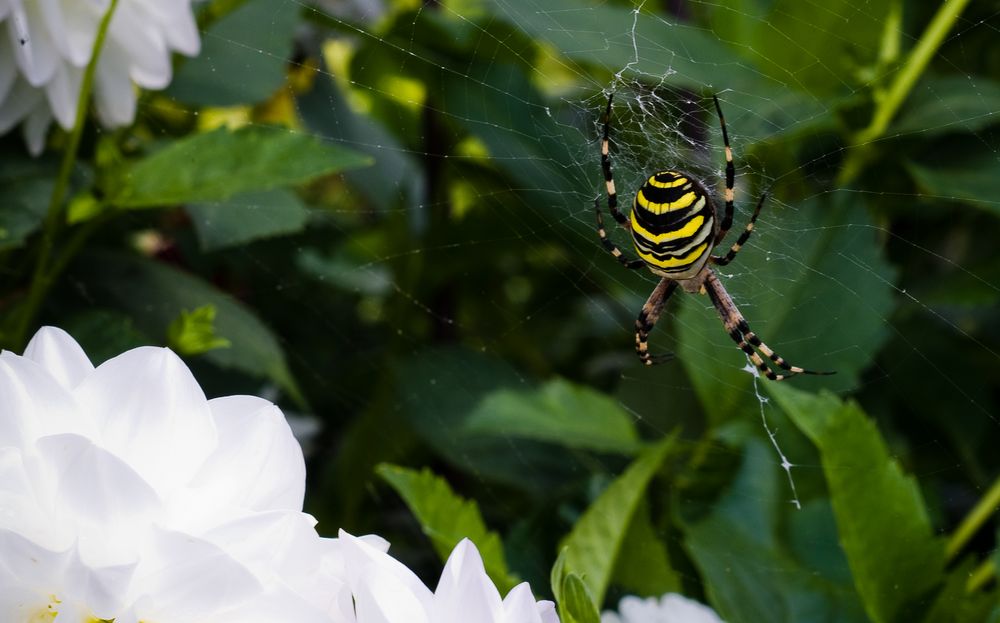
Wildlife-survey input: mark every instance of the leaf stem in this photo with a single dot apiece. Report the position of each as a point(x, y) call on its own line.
point(986, 506)
point(858, 151)
point(42, 278)
point(982, 574)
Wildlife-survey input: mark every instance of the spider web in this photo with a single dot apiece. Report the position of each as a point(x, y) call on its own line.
point(814, 281)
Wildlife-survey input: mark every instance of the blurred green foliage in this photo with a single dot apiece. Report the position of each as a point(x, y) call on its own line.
point(388, 221)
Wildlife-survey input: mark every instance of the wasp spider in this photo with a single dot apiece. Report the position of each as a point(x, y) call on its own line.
point(675, 226)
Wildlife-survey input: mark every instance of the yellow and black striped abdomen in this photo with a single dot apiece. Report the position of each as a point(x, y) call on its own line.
point(673, 224)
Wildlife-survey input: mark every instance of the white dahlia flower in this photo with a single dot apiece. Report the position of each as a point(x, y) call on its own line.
point(671, 608)
point(126, 495)
point(386, 591)
point(49, 43)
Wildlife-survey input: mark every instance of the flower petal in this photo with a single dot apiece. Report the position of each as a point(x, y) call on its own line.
point(61, 577)
point(54, 349)
point(178, 24)
point(110, 503)
point(36, 54)
point(34, 404)
point(36, 128)
point(363, 558)
point(77, 23)
point(134, 31)
point(114, 94)
point(257, 464)
point(182, 578)
point(465, 592)
point(20, 101)
point(520, 607)
point(27, 502)
point(8, 67)
point(386, 598)
point(152, 414)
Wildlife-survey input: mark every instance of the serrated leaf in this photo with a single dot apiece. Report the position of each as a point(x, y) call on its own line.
point(882, 520)
point(749, 573)
point(243, 58)
point(558, 412)
point(193, 332)
point(247, 217)
point(593, 546)
point(447, 518)
point(154, 294)
point(216, 165)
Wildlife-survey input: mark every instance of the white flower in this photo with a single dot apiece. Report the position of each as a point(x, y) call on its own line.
point(385, 591)
point(671, 608)
point(49, 43)
point(125, 494)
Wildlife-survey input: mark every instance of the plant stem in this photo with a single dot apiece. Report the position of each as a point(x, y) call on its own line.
point(858, 151)
point(986, 506)
point(42, 278)
point(981, 576)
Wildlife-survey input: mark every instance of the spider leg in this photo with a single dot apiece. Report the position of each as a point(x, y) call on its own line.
point(610, 246)
point(746, 339)
point(650, 313)
point(722, 261)
point(609, 183)
point(609, 180)
point(727, 219)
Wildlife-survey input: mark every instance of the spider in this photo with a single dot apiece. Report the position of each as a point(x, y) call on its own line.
point(674, 226)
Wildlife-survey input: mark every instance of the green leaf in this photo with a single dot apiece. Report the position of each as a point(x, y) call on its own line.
point(749, 572)
point(969, 177)
point(559, 412)
point(947, 104)
point(824, 52)
point(395, 178)
point(438, 389)
point(882, 520)
point(504, 92)
point(955, 604)
point(347, 272)
point(193, 333)
point(605, 35)
point(557, 576)
point(25, 188)
point(447, 518)
point(643, 567)
point(812, 283)
point(154, 294)
point(593, 546)
point(247, 217)
point(577, 605)
point(220, 164)
point(243, 58)
point(105, 333)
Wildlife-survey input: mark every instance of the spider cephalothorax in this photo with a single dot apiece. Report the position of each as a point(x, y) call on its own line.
point(675, 226)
